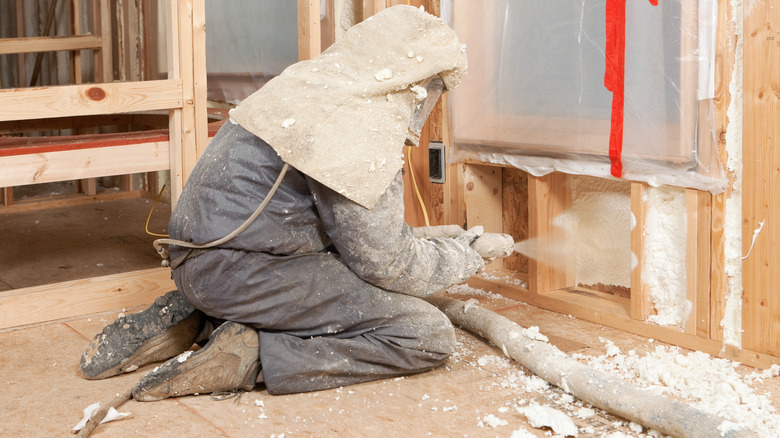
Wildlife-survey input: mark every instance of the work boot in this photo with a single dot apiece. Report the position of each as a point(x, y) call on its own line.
point(167, 328)
point(230, 361)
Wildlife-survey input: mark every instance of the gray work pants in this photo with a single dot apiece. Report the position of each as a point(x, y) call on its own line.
point(320, 325)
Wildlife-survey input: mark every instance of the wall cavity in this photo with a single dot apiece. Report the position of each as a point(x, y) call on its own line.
point(663, 255)
point(598, 226)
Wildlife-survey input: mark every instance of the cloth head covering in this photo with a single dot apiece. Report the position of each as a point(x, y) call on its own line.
point(342, 118)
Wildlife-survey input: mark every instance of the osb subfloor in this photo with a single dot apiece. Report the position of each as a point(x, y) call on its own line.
point(44, 395)
point(474, 394)
point(50, 245)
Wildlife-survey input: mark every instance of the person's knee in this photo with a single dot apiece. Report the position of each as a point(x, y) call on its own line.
point(439, 336)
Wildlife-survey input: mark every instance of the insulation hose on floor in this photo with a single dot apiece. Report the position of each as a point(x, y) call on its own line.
point(158, 244)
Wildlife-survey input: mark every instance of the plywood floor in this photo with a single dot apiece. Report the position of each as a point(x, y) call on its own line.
point(43, 394)
point(50, 245)
point(474, 395)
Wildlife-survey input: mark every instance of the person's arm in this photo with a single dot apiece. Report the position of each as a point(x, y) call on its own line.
point(381, 249)
point(437, 231)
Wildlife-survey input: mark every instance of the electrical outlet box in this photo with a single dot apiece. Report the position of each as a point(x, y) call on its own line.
point(437, 162)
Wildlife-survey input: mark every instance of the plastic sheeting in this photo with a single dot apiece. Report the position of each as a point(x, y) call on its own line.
point(535, 97)
point(248, 42)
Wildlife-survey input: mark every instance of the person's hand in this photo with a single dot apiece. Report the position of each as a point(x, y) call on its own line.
point(474, 263)
point(493, 245)
point(469, 236)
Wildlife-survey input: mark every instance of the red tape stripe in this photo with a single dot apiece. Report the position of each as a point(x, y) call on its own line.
point(614, 78)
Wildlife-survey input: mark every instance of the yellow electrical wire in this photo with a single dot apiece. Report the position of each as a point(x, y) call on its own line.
point(414, 184)
point(411, 172)
point(159, 195)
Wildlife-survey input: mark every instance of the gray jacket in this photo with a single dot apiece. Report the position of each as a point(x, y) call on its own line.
point(235, 174)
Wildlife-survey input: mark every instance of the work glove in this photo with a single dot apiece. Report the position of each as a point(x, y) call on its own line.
point(490, 246)
point(493, 245)
point(473, 260)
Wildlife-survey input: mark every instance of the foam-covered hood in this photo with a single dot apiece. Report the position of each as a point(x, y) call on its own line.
point(342, 118)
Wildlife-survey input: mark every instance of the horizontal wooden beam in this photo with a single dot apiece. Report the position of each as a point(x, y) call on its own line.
point(44, 167)
point(69, 299)
point(89, 99)
point(148, 119)
point(151, 119)
point(49, 44)
point(36, 203)
point(616, 313)
point(39, 145)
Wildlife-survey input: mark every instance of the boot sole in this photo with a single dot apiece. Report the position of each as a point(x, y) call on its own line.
point(228, 362)
point(157, 349)
point(158, 333)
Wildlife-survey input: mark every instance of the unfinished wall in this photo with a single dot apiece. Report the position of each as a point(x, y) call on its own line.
point(598, 227)
point(664, 255)
point(760, 311)
point(732, 319)
point(49, 68)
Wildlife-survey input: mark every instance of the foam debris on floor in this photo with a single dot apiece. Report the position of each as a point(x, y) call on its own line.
point(479, 392)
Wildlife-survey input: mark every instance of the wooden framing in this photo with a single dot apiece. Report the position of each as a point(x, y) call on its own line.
point(144, 156)
point(696, 333)
point(309, 30)
point(99, 41)
point(183, 95)
point(698, 212)
point(549, 288)
point(89, 99)
point(102, 24)
point(21, 71)
point(641, 307)
point(707, 282)
point(483, 195)
point(761, 181)
point(469, 198)
point(725, 46)
point(80, 297)
point(49, 44)
point(547, 198)
point(479, 194)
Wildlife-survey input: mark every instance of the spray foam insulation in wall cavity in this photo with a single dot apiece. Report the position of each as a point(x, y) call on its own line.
point(732, 227)
point(663, 270)
point(598, 229)
point(598, 232)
